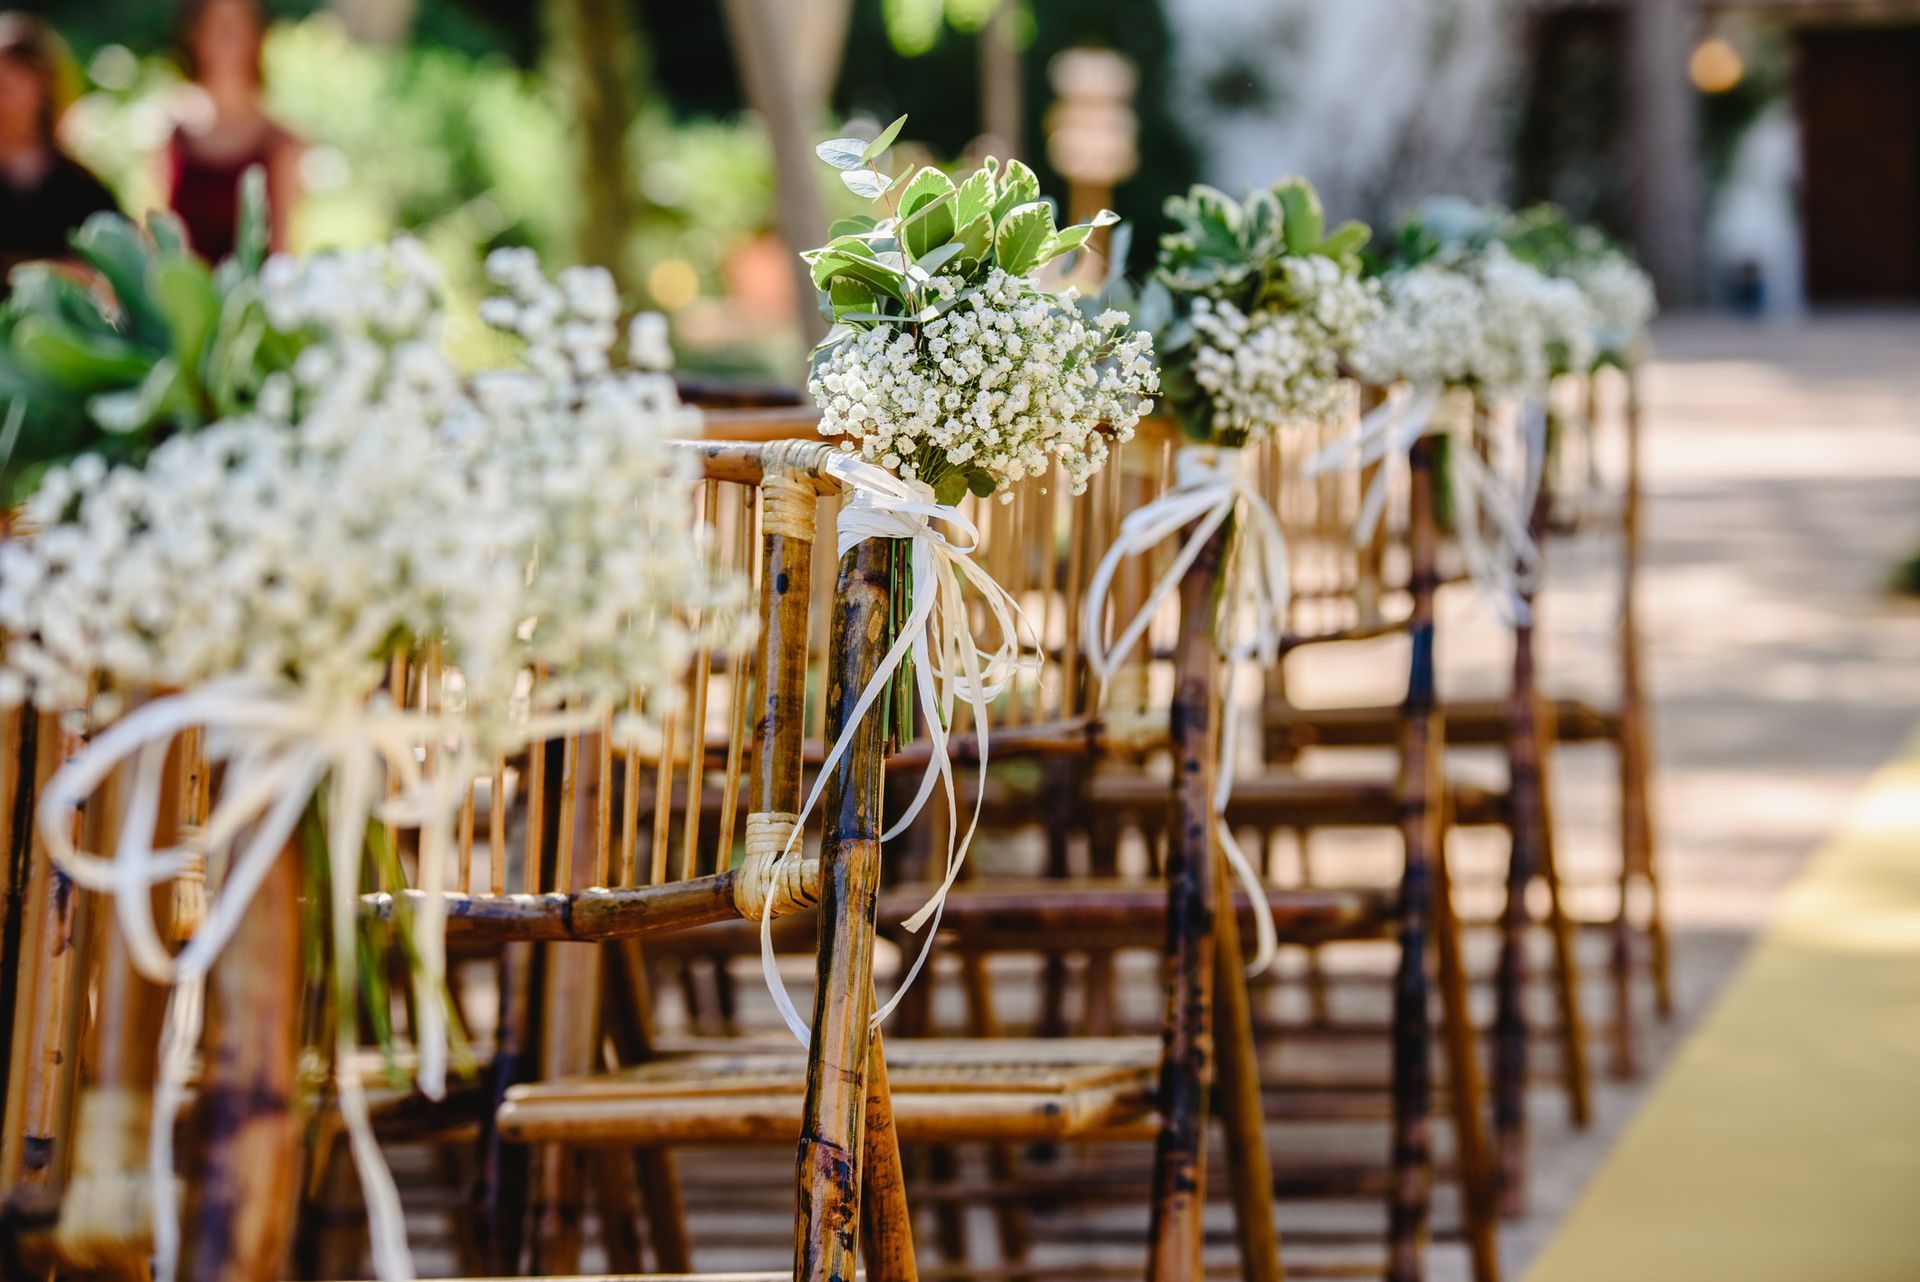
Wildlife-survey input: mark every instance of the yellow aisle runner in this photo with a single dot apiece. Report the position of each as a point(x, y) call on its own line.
point(1783, 1142)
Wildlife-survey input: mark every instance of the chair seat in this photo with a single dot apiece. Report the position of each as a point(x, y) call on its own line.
point(734, 1092)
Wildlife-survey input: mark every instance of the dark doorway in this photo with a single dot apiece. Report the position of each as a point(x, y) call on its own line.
point(1858, 96)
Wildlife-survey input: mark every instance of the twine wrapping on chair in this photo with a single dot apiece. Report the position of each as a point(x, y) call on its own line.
point(1503, 568)
point(1210, 485)
point(948, 667)
point(765, 884)
point(787, 500)
point(106, 1213)
point(279, 749)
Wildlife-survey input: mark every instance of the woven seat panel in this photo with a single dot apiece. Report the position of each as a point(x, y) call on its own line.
point(727, 1092)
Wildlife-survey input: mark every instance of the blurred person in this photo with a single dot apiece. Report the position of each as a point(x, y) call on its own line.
point(45, 194)
point(227, 130)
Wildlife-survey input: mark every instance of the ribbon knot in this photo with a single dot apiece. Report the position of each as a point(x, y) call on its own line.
point(949, 666)
point(1210, 484)
point(1502, 567)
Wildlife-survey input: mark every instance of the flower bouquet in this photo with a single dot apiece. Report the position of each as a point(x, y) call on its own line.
point(951, 370)
point(257, 580)
point(1256, 306)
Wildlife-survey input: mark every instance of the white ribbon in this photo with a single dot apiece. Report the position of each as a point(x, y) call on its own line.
point(279, 749)
point(1503, 567)
point(948, 666)
point(1209, 486)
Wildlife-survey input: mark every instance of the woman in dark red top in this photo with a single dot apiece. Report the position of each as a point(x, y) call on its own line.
point(227, 130)
point(44, 193)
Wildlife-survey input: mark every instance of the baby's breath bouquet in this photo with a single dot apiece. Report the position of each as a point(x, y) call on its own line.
point(1619, 295)
point(949, 363)
point(1470, 305)
point(257, 578)
point(1265, 304)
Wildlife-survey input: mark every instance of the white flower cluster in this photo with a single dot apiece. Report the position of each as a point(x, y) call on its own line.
point(1007, 381)
point(528, 519)
point(1622, 299)
point(1484, 320)
point(1281, 364)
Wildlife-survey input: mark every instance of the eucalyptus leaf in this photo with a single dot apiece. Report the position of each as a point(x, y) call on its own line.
point(865, 182)
point(951, 489)
point(981, 483)
point(843, 153)
point(873, 149)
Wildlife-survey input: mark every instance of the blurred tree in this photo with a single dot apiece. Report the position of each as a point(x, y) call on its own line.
point(594, 61)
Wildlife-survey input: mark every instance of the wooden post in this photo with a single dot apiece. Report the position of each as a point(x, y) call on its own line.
point(241, 1191)
point(827, 1175)
point(1421, 784)
point(1175, 1248)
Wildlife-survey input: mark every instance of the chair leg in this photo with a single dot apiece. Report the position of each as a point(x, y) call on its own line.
point(1242, 1115)
point(616, 1199)
point(886, 1224)
point(1463, 1079)
point(1177, 1236)
point(1575, 1072)
point(241, 1197)
point(827, 1167)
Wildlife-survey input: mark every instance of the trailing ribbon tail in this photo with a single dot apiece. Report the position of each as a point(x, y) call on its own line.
point(1207, 489)
point(949, 666)
point(279, 750)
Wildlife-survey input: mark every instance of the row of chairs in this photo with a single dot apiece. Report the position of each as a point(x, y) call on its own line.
point(1027, 1104)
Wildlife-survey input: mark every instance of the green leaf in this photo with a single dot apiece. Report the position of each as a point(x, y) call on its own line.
point(952, 488)
point(47, 349)
point(975, 239)
point(842, 153)
point(926, 212)
point(865, 182)
point(1018, 187)
point(846, 294)
point(113, 247)
point(162, 395)
point(251, 230)
point(884, 141)
point(182, 289)
point(856, 225)
point(884, 279)
point(1348, 238)
point(1304, 222)
point(975, 198)
point(1020, 241)
point(936, 258)
point(981, 483)
point(1069, 239)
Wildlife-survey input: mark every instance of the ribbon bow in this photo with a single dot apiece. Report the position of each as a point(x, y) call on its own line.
point(278, 749)
point(948, 666)
point(1209, 486)
point(1502, 567)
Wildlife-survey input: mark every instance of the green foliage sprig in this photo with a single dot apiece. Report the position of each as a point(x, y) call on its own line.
point(159, 343)
point(1232, 251)
point(875, 271)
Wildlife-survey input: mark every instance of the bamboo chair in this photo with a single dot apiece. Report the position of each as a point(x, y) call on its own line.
point(1101, 916)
